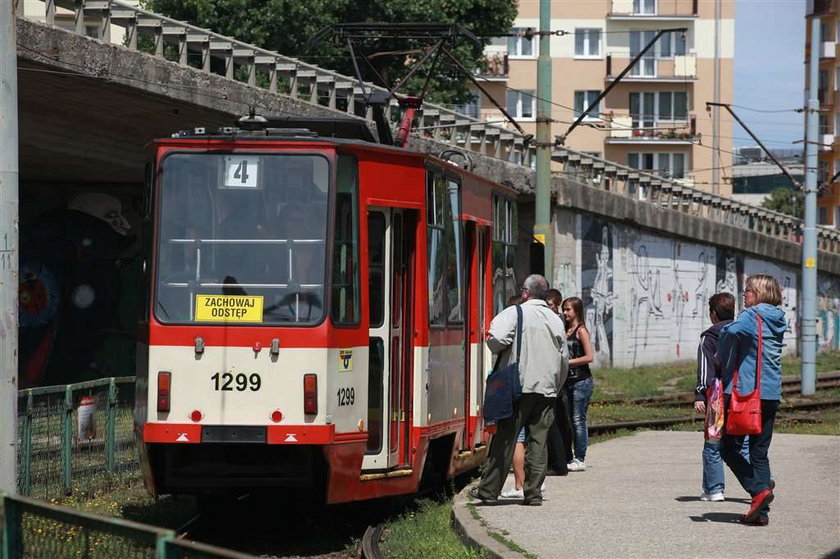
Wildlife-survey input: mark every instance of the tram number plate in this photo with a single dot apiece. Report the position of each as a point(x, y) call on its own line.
point(346, 396)
point(228, 382)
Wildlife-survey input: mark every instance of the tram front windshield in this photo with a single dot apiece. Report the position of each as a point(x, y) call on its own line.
point(241, 238)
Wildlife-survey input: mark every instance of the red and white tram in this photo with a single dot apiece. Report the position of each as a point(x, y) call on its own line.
point(317, 306)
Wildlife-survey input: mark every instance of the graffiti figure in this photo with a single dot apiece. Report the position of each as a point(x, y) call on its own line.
point(602, 300)
point(700, 297)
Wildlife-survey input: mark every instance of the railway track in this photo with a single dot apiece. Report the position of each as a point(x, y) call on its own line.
point(790, 385)
point(605, 428)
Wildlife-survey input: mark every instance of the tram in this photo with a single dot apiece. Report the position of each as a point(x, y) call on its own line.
point(315, 312)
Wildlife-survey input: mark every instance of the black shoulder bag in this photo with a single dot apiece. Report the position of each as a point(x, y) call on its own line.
point(503, 385)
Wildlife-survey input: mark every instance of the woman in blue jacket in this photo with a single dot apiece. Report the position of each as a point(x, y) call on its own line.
point(737, 350)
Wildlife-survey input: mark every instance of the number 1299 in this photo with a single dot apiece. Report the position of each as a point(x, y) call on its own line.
point(227, 382)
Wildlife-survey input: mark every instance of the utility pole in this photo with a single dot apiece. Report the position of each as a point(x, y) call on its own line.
point(542, 221)
point(808, 317)
point(8, 248)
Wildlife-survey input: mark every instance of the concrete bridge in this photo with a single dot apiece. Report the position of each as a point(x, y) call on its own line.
point(644, 252)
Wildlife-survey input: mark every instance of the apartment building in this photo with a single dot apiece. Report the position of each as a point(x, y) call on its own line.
point(828, 93)
point(655, 118)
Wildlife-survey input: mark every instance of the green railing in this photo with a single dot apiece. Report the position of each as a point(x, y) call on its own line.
point(32, 529)
point(76, 438)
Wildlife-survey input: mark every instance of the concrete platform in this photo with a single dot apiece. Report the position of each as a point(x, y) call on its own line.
point(639, 498)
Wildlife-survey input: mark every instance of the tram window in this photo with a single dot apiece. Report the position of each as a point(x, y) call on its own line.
point(244, 224)
point(455, 252)
point(505, 223)
point(376, 267)
point(375, 396)
point(436, 196)
point(345, 281)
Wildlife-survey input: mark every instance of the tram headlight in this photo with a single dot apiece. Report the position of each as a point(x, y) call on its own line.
point(164, 384)
point(310, 394)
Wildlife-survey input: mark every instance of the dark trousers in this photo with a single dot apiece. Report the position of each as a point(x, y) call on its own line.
point(560, 436)
point(753, 475)
point(536, 413)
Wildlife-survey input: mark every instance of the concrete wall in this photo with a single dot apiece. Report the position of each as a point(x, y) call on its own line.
point(646, 293)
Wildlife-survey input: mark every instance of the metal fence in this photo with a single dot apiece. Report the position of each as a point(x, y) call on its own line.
point(32, 529)
point(76, 438)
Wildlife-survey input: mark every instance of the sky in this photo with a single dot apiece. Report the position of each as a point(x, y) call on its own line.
point(769, 71)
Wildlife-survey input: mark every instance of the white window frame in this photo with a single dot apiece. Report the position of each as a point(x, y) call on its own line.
point(517, 109)
point(589, 95)
point(658, 107)
point(639, 8)
point(652, 54)
point(516, 52)
point(671, 38)
point(656, 158)
point(587, 33)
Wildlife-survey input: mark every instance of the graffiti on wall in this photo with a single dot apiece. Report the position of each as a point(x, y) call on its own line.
point(597, 285)
point(828, 312)
point(71, 291)
point(788, 281)
point(730, 268)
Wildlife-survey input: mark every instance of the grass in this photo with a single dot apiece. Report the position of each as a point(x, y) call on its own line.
point(426, 532)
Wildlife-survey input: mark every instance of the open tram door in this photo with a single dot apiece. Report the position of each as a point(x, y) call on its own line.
point(390, 265)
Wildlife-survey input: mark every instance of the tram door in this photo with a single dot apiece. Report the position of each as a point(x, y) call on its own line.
point(475, 294)
point(390, 251)
point(481, 330)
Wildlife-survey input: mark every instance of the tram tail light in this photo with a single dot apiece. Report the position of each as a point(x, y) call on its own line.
point(164, 382)
point(310, 394)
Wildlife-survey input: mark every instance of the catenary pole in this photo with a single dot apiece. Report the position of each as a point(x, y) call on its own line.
point(542, 222)
point(808, 318)
point(8, 248)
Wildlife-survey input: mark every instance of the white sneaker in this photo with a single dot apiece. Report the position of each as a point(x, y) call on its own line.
point(576, 466)
point(542, 487)
point(712, 496)
point(513, 493)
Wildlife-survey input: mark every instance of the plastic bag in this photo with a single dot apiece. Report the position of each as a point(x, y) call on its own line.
point(714, 411)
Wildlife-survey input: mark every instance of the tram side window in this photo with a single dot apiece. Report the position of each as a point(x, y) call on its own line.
point(375, 395)
point(376, 268)
point(436, 200)
point(454, 252)
point(345, 284)
point(505, 224)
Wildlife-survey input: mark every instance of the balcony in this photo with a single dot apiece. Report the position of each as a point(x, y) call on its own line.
point(829, 49)
point(819, 7)
point(647, 10)
point(622, 130)
point(495, 66)
point(678, 69)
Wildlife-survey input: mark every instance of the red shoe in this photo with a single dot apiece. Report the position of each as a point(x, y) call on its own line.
point(758, 502)
point(760, 521)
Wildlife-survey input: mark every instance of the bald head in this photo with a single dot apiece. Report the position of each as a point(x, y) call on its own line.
point(536, 286)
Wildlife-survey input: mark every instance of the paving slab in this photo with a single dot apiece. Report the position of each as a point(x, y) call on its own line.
point(640, 498)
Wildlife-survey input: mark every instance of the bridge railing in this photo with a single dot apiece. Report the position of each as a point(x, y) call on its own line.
point(76, 438)
point(189, 45)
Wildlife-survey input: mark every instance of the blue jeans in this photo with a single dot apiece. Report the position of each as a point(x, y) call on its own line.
point(713, 481)
point(579, 395)
point(753, 474)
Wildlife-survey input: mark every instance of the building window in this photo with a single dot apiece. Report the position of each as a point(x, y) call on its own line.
point(587, 43)
point(836, 215)
point(582, 101)
point(823, 123)
point(648, 107)
point(823, 217)
point(672, 105)
point(519, 46)
point(671, 45)
point(472, 108)
point(670, 165)
point(646, 66)
point(644, 7)
point(521, 104)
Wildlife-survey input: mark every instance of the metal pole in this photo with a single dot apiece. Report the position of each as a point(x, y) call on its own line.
point(8, 248)
point(808, 319)
point(716, 109)
point(542, 222)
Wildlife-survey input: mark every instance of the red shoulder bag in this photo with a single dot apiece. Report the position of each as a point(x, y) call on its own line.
point(744, 414)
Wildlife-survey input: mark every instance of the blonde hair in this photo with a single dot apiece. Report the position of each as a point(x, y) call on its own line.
point(766, 289)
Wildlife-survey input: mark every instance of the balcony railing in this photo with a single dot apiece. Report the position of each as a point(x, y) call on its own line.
point(622, 128)
point(678, 68)
point(671, 8)
point(496, 66)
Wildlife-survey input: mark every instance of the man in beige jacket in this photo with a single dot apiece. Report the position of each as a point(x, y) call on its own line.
point(543, 365)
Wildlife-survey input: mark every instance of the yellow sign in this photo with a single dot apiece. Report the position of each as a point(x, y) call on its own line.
point(809, 262)
point(228, 308)
point(540, 238)
point(345, 360)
